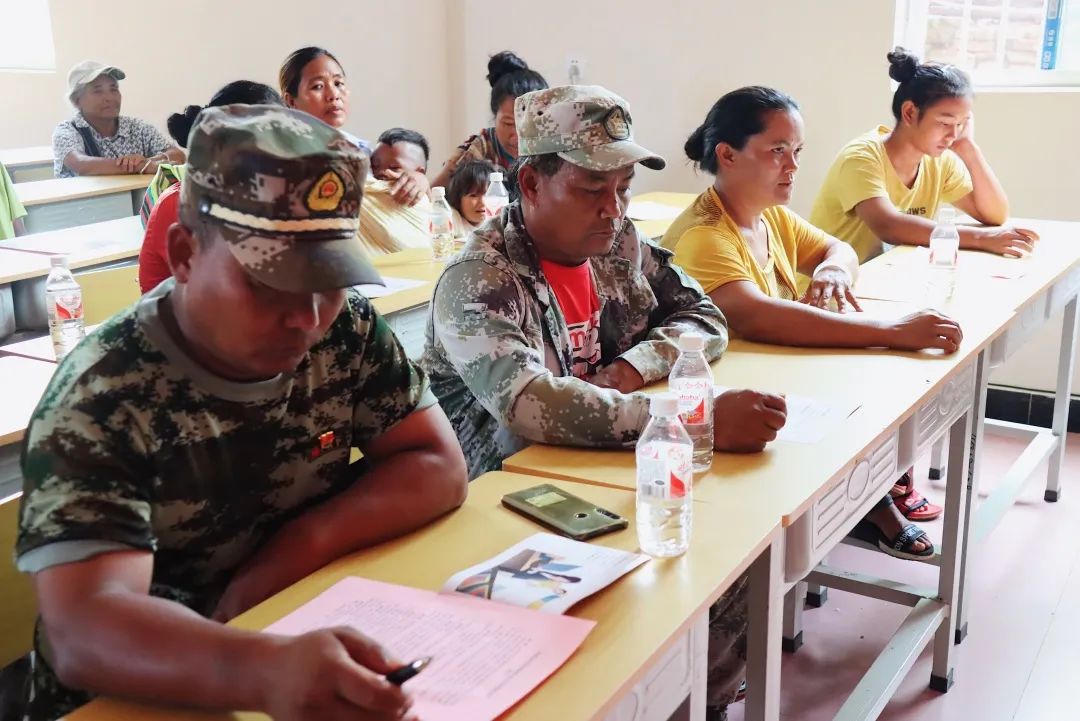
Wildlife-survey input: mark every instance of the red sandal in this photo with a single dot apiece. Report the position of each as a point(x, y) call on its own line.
point(913, 505)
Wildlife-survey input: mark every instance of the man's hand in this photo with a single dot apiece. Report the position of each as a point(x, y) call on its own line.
point(831, 283)
point(131, 164)
point(409, 188)
point(745, 421)
point(333, 674)
point(620, 376)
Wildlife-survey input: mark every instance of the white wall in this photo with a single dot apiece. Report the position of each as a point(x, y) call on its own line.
point(177, 54)
point(672, 60)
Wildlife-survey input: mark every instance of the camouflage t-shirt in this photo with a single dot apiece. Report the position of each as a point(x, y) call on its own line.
point(134, 445)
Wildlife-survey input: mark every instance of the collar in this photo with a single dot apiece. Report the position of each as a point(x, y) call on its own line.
point(121, 126)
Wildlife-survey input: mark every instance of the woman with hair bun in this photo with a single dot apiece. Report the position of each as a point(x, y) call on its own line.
point(509, 77)
point(161, 208)
point(886, 186)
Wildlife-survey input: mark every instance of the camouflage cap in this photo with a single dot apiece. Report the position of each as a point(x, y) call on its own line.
point(586, 125)
point(285, 189)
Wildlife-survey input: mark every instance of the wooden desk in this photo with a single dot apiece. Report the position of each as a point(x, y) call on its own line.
point(40, 348)
point(641, 619)
point(407, 311)
point(66, 202)
point(656, 228)
point(26, 164)
point(22, 381)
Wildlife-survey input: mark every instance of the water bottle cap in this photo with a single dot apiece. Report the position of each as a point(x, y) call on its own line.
point(691, 342)
point(495, 177)
point(438, 192)
point(58, 261)
point(664, 404)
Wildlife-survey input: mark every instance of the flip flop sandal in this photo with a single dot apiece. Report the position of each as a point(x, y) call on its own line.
point(900, 547)
point(915, 507)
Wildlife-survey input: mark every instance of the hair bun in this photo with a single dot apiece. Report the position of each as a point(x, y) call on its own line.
point(695, 145)
point(180, 124)
point(503, 63)
point(902, 65)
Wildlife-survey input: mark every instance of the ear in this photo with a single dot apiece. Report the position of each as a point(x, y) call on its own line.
point(289, 100)
point(909, 113)
point(528, 184)
point(181, 249)
point(725, 155)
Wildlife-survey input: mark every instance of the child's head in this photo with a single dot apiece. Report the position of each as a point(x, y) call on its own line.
point(399, 151)
point(466, 189)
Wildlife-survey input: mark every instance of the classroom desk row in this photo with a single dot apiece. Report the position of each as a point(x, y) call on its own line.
point(788, 518)
point(26, 164)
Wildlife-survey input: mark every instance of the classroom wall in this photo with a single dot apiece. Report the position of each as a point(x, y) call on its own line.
point(671, 62)
point(180, 53)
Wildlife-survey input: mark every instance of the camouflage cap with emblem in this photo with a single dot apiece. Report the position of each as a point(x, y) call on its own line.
point(285, 189)
point(586, 125)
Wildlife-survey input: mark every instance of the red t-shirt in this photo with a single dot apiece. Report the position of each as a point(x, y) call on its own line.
point(576, 293)
point(153, 257)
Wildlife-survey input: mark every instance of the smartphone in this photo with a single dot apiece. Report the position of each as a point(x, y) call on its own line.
point(564, 512)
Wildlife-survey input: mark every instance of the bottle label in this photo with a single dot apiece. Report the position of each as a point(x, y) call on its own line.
point(664, 470)
point(68, 306)
point(440, 225)
point(493, 205)
point(695, 399)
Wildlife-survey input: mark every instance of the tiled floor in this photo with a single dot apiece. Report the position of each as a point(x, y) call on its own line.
point(1022, 654)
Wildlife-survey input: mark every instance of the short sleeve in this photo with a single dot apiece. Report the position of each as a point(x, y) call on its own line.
point(85, 485)
point(711, 257)
point(860, 177)
point(15, 208)
point(955, 178)
point(66, 139)
point(154, 141)
point(391, 386)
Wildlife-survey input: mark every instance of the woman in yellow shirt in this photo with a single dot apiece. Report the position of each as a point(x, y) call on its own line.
point(744, 247)
point(887, 185)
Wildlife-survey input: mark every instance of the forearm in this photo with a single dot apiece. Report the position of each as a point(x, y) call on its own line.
point(991, 203)
point(394, 496)
point(567, 411)
point(86, 165)
point(137, 646)
point(911, 230)
point(796, 324)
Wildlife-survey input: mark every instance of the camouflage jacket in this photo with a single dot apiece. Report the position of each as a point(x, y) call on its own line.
point(498, 353)
point(135, 446)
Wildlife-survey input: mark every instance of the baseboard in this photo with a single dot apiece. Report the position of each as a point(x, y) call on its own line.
point(1033, 409)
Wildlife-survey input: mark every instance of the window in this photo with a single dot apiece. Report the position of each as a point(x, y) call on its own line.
point(27, 44)
point(1001, 43)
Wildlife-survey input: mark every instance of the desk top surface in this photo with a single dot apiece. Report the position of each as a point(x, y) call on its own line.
point(55, 190)
point(658, 600)
point(21, 157)
point(22, 382)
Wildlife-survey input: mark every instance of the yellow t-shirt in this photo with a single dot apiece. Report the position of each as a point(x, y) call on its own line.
point(386, 226)
point(862, 170)
point(711, 248)
point(10, 207)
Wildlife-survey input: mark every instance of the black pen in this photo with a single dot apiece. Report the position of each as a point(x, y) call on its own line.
point(400, 675)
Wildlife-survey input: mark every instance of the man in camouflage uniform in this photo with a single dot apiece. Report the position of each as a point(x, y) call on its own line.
point(191, 457)
point(556, 313)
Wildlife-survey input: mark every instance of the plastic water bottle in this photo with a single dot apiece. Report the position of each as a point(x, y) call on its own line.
point(64, 306)
point(944, 252)
point(664, 481)
point(441, 225)
point(691, 381)
point(496, 197)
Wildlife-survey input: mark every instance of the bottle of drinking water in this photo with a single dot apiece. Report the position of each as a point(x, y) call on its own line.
point(441, 225)
point(691, 381)
point(496, 196)
point(944, 252)
point(64, 307)
point(664, 481)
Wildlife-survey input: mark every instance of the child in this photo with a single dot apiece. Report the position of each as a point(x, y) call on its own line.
point(387, 226)
point(399, 151)
point(465, 194)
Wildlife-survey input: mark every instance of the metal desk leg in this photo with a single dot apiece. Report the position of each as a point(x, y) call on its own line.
point(793, 608)
point(957, 509)
point(937, 460)
point(766, 601)
point(974, 465)
point(1062, 398)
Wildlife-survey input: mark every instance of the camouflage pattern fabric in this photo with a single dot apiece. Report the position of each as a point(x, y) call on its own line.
point(728, 624)
point(285, 189)
point(134, 447)
point(585, 124)
point(498, 353)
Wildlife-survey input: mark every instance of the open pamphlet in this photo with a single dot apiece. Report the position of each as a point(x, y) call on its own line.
point(488, 644)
